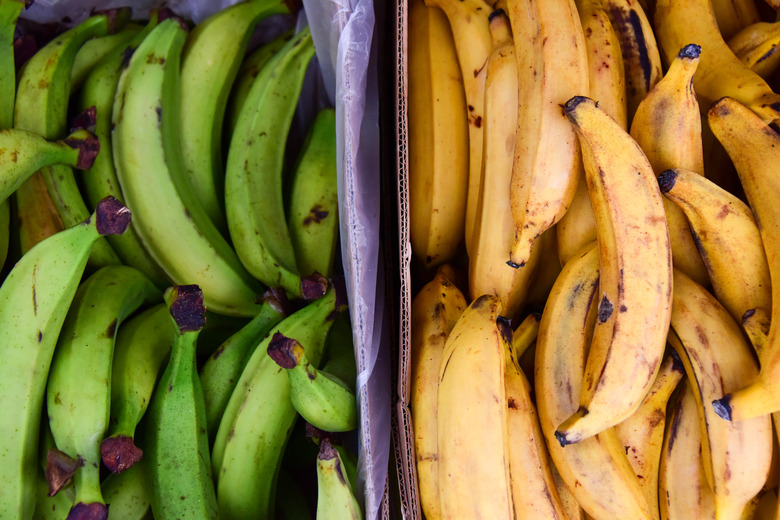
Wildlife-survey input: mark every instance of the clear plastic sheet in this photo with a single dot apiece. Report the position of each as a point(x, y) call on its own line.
point(343, 33)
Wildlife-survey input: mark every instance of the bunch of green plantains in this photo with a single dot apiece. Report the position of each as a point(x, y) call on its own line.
point(171, 300)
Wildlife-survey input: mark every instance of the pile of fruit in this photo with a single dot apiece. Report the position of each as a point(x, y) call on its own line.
point(171, 309)
point(594, 190)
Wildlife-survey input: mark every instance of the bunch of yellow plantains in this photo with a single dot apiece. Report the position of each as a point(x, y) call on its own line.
point(595, 219)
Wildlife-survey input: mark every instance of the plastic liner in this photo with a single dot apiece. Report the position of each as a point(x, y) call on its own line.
point(343, 33)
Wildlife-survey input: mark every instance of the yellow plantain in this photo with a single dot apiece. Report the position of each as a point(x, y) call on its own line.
point(756, 46)
point(734, 15)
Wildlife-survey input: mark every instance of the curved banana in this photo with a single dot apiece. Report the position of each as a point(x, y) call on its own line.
point(682, 486)
point(78, 393)
point(143, 345)
point(323, 400)
point(210, 61)
point(176, 443)
point(595, 470)
point(636, 274)
point(734, 15)
point(438, 130)
point(254, 201)
point(552, 66)
point(100, 180)
point(36, 216)
point(754, 147)
point(534, 493)
point(169, 220)
point(251, 66)
point(435, 309)
point(128, 494)
point(312, 212)
point(471, 34)
point(41, 106)
point(221, 371)
point(22, 153)
point(493, 230)
point(642, 434)
point(49, 272)
point(256, 424)
point(607, 85)
point(728, 238)
point(639, 48)
point(720, 73)
point(667, 126)
point(94, 50)
point(756, 46)
point(717, 360)
point(335, 496)
point(474, 483)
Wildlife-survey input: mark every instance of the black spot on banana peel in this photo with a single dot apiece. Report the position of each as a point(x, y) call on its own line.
point(605, 309)
point(677, 364)
point(316, 215)
point(119, 453)
point(690, 51)
point(112, 217)
point(187, 308)
point(60, 468)
point(93, 511)
point(722, 407)
point(497, 12)
point(314, 286)
point(282, 350)
point(666, 180)
point(504, 328)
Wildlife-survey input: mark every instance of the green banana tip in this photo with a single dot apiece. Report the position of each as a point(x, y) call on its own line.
point(276, 298)
point(91, 511)
point(119, 453)
point(327, 451)
point(117, 17)
point(186, 307)
point(112, 217)
point(84, 120)
point(286, 352)
point(60, 468)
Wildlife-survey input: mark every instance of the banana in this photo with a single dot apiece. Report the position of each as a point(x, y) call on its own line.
point(22, 153)
point(682, 486)
point(78, 393)
point(639, 48)
point(718, 359)
point(607, 85)
point(169, 219)
point(734, 15)
point(41, 106)
point(552, 66)
point(210, 61)
point(339, 355)
point(642, 434)
point(635, 266)
point(93, 51)
point(534, 493)
point(435, 309)
point(312, 213)
point(756, 46)
point(142, 346)
point(755, 149)
point(323, 400)
point(728, 238)
point(474, 483)
point(36, 216)
point(471, 35)
point(438, 134)
point(667, 126)
point(336, 498)
point(493, 231)
point(33, 301)
point(176, 442)
point(595, 470)
point(250, 68)
point(100, 180)
point(256, 424)
point(570, 505)
point(9, 14)
point(128, 495)
point(720, 73)
point(254, 201)
point(221, 371)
